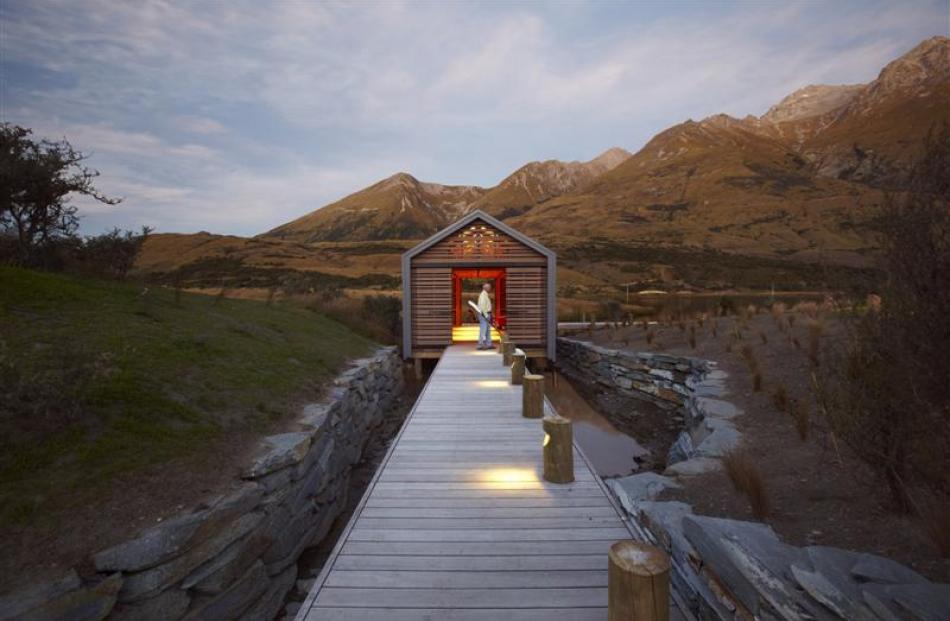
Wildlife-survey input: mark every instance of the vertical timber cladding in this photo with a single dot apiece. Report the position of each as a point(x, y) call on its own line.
point(527, 305)
point(478, 241)
point(431, 306)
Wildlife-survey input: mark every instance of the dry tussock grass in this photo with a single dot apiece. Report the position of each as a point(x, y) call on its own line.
point(780, 398)
point(802, 417)
point(748, 480)
point(815, 329)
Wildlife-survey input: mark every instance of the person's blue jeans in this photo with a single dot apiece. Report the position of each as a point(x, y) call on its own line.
point(484, 331)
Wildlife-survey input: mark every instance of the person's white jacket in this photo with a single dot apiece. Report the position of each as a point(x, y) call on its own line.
point(484, 303)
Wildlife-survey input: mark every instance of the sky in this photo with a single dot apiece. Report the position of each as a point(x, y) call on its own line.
point(237, 116)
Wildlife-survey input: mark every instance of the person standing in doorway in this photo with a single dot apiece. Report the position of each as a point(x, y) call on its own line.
point(484, 318)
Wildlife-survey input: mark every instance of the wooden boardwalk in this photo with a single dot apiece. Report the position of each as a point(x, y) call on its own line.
point(458, 522)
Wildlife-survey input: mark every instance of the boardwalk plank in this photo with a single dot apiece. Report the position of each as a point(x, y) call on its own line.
point(498, 579)
point(550, 562)
point(464, 614)
point(459, 523)
point(462, 598)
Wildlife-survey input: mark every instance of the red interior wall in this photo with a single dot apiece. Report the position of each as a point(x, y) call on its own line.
point(496, 275)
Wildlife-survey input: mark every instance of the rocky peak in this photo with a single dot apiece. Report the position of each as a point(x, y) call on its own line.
point(913, 74)
point(812, 100)
point(608, 160)
point(399, 179)
point(928, 63)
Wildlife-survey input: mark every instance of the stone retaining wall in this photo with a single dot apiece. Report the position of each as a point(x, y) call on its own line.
point(730, 569)
point(692, 387)
point(659, 378)
point(234, 557)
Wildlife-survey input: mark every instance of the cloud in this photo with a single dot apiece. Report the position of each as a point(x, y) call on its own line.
point(234, 117)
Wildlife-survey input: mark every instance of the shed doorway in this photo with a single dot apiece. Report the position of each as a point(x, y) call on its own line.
point(466, 286)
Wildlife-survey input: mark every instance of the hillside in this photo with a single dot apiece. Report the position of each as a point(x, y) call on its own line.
point(122, 402)
point(402, 207)
point(538, 182)
point(879, 132)
point(713, 184)
point(798, 184)
point(399, 207)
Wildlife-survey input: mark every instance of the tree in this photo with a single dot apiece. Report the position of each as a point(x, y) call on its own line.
point(37, 179)
point(886, 391)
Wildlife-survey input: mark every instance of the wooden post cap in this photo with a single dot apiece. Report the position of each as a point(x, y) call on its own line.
point(517, 367)
point(507, 351)
point(638, 582)
point(532, 396)
point(558, 449)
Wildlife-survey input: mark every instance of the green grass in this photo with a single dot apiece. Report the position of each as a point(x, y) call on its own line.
point(98, 379)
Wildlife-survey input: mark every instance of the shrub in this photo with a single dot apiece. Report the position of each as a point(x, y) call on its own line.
point(885, 391)
point(778, 313)
point(611, 310)
point(111, 254)
point(747, 479)
point(809, 308)
point(385, 311)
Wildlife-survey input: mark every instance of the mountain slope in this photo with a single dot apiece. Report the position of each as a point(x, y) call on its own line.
point(399, 207)
point(711, 184)
point(801, 182)
point(537, 182)
point(402, 207)
point(880, 131)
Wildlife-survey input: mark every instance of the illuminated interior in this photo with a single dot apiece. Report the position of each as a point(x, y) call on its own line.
point(468, 333)
point(466, 286)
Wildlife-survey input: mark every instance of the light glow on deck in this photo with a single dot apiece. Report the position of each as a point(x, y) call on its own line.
point(509, 475)
point(491, 383)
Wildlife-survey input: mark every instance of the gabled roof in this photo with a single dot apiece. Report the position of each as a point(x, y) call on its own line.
point(468, 219)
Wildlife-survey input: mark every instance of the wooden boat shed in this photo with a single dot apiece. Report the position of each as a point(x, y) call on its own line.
point(478, 247)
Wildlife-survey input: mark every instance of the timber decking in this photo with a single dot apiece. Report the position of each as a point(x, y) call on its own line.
point(458, 522)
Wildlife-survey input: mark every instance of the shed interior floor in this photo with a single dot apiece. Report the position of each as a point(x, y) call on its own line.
point(468, 333)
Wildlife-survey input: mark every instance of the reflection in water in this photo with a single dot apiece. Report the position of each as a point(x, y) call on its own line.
point(611, 452)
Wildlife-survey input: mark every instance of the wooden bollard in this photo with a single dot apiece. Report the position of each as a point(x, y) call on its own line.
point(532, 396)
point(558, 449)
point(507, 351)
point(638, 582)
point(517, 367)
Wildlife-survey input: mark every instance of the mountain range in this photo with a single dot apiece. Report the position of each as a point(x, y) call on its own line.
point(799, 183)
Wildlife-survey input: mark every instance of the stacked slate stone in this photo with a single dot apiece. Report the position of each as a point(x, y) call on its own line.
point(235, 556)
point(735, 569)
point(689, 387)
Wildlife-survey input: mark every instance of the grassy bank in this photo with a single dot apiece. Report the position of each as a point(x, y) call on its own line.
point(103, 380)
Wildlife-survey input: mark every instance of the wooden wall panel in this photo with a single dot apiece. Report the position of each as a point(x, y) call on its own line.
point(479, 244)
point(527, 304)
point(431, 306)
